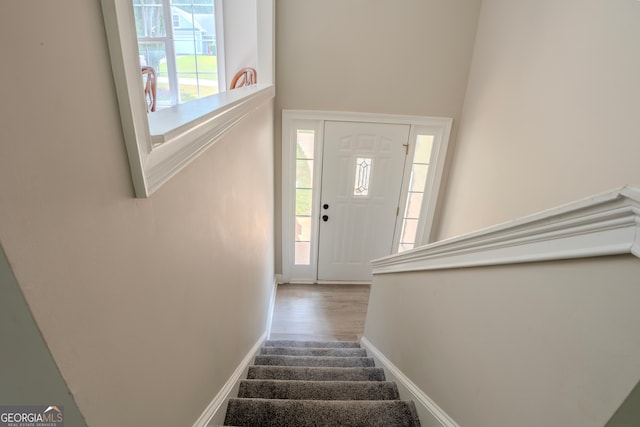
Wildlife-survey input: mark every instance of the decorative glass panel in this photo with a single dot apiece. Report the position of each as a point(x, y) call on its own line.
point(415, 196)
point(418, 177)
point(424, 143)
point(305, 144)
point(363, 175)
point(304, 173)
point(303, 201)
point(414, 204)
point(303, 228)
point(302, 253)
point(409, 231)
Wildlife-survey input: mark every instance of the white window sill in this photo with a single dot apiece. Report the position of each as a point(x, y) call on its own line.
point(158, 150)
point(168, 124)
point(179, 134)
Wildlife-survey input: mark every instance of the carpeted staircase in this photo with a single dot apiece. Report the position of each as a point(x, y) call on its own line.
point(317, 383)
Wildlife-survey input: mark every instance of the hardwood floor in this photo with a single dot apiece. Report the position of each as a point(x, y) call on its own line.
point(320, 312)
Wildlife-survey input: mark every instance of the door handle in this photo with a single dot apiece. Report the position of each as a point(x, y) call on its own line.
point(325, 218)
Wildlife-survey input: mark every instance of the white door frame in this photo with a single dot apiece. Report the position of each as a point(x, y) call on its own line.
point(292, 120)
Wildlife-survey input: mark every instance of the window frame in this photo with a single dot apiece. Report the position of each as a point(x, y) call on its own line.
point(424, 232)
point(160, 145)
point(169, 48)
point(303, 273)
point(172, 56)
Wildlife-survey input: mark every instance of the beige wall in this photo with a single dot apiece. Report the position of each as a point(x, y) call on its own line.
point(147, 305)
point(551, 110)
point(545, 344)
point(550, 116)
point(379, 56)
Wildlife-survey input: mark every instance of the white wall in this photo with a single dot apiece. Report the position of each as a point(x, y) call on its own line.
point(546, 344)
point(551, 110)
point(379, 56)
point(147, 305)
point(240, 36)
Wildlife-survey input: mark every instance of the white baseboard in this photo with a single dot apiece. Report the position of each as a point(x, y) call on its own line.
point(431, 415)
point(344, 282)
point(216, 410)
point(272, 306)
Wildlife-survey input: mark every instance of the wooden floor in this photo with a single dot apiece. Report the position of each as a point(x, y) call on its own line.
point(320, 312)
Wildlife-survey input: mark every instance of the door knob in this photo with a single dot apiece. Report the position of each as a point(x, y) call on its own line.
point(325, 218)
point(325, 206)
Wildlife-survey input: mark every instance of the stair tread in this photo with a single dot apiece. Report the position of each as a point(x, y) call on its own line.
point(306, 373)
point(320, 384)
point(314, 344)
point(320, 390)
point(314, 351)
point(303, 413)
point(326, 361)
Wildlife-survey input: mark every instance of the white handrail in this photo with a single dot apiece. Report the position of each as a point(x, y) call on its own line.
point(605, 224)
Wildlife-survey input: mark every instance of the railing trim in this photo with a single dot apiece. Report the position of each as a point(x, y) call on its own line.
point(601, 225)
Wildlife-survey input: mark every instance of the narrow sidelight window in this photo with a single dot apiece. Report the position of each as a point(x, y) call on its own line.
point(416, 193)
point(305, 145)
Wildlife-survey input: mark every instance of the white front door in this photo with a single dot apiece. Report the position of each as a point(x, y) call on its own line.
point(361, 181)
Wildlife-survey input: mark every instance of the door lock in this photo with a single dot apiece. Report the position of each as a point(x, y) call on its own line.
point(325, 218)
point(325, 206)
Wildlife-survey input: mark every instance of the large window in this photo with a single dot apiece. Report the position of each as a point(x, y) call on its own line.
point(179, 39)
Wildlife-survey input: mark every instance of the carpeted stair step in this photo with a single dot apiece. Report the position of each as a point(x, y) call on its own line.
point(319, 413)
point(305, 351)
point(327, 361)
point(318, 390)
point(314, 344)
point(317, 383)
point(303, 373)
